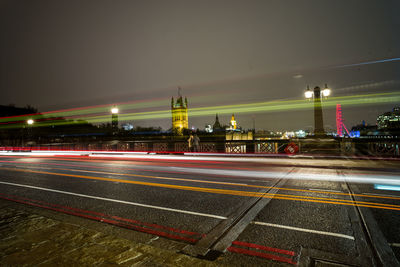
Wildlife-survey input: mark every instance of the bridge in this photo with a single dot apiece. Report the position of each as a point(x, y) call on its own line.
point(230, 209)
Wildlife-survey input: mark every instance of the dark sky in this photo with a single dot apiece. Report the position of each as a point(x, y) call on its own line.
point(63, 54)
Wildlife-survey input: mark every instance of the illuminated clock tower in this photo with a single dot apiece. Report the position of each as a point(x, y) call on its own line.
point(179, 110)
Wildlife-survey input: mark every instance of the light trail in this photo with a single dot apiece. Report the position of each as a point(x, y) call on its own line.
point(226, 191)
point(369, 179)
point(295, 190)
point(80, 112)
point(264, 107)
point(369, 62)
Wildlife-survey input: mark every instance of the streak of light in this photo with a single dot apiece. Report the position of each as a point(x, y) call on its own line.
point(223, 183)
point(369, 62)
point(371, 179)
point(226, 191)
point(264, 107)
point(387, 187)
point(89, 110)
point(318, 191)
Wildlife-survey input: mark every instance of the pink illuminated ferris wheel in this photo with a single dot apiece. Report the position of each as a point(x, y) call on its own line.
point(339, 121)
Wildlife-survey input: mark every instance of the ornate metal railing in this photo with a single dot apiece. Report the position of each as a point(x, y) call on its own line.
point(344, 146)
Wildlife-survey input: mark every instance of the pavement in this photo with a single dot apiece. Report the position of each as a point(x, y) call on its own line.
point(30, 238)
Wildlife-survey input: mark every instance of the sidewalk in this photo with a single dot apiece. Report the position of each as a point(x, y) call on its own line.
point(30, 239)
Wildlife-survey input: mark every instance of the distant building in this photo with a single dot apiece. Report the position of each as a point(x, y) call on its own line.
point(237, 135)
point(179, 111)
point(233, 125)
point(233, 122)
point(217, 127)
point(362, 129)
point(389, 120)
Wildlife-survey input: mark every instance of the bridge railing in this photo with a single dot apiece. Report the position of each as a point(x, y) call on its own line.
point(341, 146)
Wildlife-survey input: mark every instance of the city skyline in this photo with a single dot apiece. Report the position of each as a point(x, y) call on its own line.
point(70, 55)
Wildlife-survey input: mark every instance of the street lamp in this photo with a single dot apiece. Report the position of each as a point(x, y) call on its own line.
point(30, 122)
point(318, 118)
point(308, 93)
point(114, 110)
point(326, 92)
point(114, 119)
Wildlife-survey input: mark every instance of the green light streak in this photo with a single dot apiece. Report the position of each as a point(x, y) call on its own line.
point(87, 111)
point(269, 106)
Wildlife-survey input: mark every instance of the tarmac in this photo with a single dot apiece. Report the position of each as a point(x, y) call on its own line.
point(32, 237)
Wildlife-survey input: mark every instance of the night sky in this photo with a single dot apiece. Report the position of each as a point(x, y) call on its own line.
point(65, 54)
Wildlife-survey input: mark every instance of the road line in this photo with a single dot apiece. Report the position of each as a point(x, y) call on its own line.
point(109, 216)
point(211, 190)
point(252, 245)
point(381, 195)
point(329, 190)
point(154, 177)
point(226, 191)
point(208, 190)
point(304, 230)
point(105, 220)
point(118, 201)
point(261, 255)
point(239, 184)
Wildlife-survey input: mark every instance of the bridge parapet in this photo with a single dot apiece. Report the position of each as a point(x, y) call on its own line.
point(379, 147)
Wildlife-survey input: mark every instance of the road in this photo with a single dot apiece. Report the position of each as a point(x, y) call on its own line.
point(235, 211)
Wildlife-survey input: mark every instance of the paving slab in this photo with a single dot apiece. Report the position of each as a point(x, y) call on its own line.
point(31, 239)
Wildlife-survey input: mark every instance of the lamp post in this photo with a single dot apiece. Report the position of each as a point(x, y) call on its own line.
point(318, 118)
point(30, 122)
point(114, 119)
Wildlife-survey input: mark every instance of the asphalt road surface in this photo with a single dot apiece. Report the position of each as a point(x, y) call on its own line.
point(236, 211)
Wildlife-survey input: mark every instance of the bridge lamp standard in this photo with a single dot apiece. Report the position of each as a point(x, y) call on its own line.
point(114, 110)
point(318, 118)
point(30, 122)
point(114, 118)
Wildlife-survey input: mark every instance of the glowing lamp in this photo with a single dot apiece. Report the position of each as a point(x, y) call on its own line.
point(308, 94)
point(30, 121)
point(326, 92)
point(114, 110)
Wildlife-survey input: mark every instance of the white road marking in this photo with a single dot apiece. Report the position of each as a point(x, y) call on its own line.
point(304, 230)
point(328, 190)
point(119, 201)
point(382, 195)
point(395, 245)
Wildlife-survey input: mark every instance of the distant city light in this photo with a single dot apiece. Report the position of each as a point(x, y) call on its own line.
point(208, 128)
point(127, 126)
point(300, 133)
point(30, 121)
point(114, 110)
